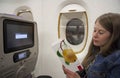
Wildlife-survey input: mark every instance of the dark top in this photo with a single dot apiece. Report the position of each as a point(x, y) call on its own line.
point(105, 67)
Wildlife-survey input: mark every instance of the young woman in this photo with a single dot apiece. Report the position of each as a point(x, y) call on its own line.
point(103, 58)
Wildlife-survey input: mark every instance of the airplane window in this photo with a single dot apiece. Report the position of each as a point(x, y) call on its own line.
point(75, 31)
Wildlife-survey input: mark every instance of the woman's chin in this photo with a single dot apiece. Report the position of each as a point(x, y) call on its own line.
point(97, 44)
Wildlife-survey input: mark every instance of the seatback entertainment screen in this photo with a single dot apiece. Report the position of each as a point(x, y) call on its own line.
point(17, 35)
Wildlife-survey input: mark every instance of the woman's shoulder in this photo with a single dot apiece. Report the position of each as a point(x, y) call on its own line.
point(114, 56)
point(113, 59)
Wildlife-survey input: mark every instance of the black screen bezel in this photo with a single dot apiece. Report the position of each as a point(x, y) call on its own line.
point(19, 22)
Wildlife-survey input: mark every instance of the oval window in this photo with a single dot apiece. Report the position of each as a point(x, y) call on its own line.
point(75, 31)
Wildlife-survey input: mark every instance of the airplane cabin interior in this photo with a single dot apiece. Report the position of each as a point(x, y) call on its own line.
point(28, 28)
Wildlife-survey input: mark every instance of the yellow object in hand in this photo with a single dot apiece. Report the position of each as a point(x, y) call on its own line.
point(69, 55)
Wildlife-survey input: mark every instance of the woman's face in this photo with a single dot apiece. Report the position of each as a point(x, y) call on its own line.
point(100, 35)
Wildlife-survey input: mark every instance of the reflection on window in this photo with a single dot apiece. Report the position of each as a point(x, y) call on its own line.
point(75, 31)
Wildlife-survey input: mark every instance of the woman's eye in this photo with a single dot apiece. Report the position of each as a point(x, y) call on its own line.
point(101, 32)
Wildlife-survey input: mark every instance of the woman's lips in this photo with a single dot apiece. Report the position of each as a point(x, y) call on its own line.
point(95, 40)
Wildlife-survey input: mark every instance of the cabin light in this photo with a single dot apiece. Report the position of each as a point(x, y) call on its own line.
point(20, 11)
point(72, 10)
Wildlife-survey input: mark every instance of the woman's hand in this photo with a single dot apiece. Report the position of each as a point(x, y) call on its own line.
point(70, 74)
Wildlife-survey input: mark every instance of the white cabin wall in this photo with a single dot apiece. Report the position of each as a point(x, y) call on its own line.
point(50, 64)
point(46, 13)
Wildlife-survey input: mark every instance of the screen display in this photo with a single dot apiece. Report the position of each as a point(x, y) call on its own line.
point(22, 55)
point(17, 35)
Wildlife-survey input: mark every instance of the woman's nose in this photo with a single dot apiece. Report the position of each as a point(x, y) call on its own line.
point(95, 34)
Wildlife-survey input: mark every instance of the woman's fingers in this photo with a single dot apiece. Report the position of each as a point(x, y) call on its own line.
point(69, 73)
point(63, 68)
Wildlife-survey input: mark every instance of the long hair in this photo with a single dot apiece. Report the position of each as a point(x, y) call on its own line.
point(111, 22)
